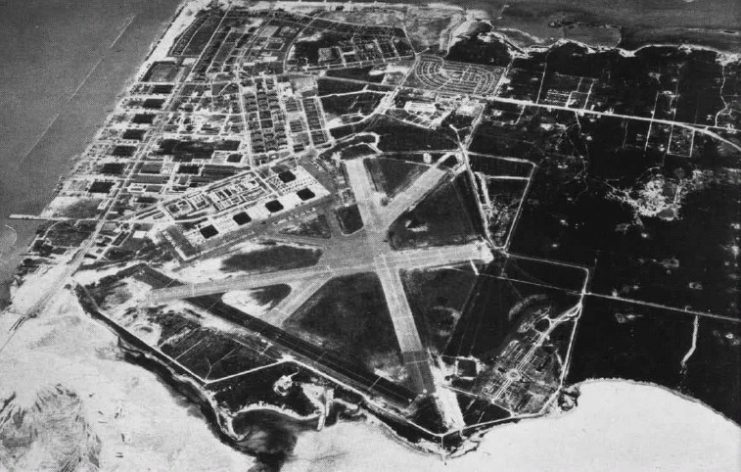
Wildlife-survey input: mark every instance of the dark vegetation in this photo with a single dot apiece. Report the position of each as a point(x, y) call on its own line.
point(358, 73)
point(496, 306)
point(161, 72)
point(351, 142)
point(570, 214)
point(474, 49)
point(363, 103)
point(627, 84)
point(396, 136)
point(505, 197)
point(508, 131)
point(123, 151)
point(100, 186)
point(568, 278)
point(330, 87)
point(348, 316)
point(307, 52)
point(271, 258)
point(130, 248)
point(82, 208)
point(357, 150)
point(143, 119)
point(135, 134)
point(271, 295)
point(477, 411)
point(316, 226)
point(153, 103)
point(494, 167)
point(211, 354)
point(195, 38)
point(113, 168)
point(69, 234)
point(624, 340)
point(619, 340)
point(392, 176)
point(437, 298)
point(186, 150)
point(250, 389)
point(442, 218)
point(349, 219)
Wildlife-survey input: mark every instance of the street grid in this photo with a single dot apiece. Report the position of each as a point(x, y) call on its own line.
point(368, 250)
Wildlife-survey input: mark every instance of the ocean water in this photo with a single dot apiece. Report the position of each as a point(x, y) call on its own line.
point(62, 65)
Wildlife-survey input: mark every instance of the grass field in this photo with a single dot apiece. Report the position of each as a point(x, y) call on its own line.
point(437, 298)
point(271, 258)
point(348, 316)
point(391, 176)
point(349, 219)
point(441, 218)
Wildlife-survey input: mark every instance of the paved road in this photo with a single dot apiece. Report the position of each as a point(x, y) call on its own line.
point(437, 256)
point(300, 294)
point(368, 200)
point(407, 199)
point(242, 282)
point(374, 217)
point(334, 266)
point(367, 251)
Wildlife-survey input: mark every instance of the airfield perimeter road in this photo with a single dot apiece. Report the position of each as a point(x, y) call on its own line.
point(365, 252)
point(335, 365)
point(402, 202)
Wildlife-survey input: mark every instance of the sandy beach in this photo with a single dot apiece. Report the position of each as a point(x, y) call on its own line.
point(64, 63)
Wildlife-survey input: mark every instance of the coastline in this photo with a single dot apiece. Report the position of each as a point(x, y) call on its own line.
point(32, 180)
point(194, 392)
point(132, 410)
point(26, 229)
point(180, 383)
point(610, 427)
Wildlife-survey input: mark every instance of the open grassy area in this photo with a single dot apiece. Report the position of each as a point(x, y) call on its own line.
point(348, 316)
point(363, 103)
point(271, 258)
point(211, 354)
point(495, 307)
point(315, 226)
point(349, 219)
point(443, 217)
point(391, 176)
point(437, 298)
point(271, 295)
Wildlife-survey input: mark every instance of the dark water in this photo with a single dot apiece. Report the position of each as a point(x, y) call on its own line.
point(50, 48)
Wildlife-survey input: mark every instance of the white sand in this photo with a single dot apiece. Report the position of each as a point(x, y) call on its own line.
point(618, 426)
point(131, 411)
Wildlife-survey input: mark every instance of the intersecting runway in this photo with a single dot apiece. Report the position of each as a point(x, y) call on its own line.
point(367, 251)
